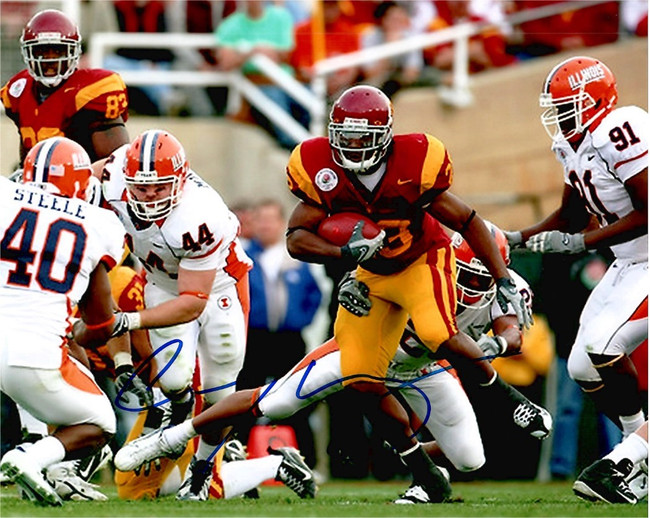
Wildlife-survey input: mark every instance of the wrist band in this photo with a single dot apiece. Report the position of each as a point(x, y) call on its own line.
point(122, 358)
point(197, 294)
point(93, 327)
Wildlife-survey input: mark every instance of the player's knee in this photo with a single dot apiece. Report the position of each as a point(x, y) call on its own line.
point(175, 382)
point(471, 464)
point(466, 453)
point(276, 408)
point(580, 368)
point(217, 390)
point(178, 372)
point(471, 459)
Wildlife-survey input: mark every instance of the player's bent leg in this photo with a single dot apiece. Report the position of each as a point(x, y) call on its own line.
point(620, 382)
point(441, 400)
point(391, 419)
point(314, 378)
point(474, 372)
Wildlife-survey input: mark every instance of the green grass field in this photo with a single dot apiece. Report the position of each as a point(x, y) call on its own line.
point(342, 498)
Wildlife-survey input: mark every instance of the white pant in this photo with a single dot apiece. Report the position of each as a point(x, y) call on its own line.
point(59, 397)
point(608, 323)
point(218, 336)
point(451, 419)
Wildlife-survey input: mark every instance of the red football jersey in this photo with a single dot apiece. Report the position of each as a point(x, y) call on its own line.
point(87, 96)
point(418, 168)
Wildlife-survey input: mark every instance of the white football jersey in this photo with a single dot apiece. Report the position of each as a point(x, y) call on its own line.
point(50, 246)
point(413, 358)
point(199, 234)
point(615, 152)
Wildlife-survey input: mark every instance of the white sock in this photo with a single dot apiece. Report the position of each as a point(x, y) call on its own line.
point(46, 451)
point(634, 447)
point(180, 433)
point(241, 476)
point(205, 451)
point(631, 423)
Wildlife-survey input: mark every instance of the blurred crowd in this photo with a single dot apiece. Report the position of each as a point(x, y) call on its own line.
point(297, 33)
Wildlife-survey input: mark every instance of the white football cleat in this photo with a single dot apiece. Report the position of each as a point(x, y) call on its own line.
point(70, 486)
point(146, 449)
point(18, 467)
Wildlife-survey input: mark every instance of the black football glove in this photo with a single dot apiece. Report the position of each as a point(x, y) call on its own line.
point(353, 295)
point(128, 382)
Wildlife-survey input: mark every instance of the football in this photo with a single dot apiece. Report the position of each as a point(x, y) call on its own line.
point(338, 228)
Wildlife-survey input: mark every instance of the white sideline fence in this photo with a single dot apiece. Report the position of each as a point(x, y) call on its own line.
point(314, 97)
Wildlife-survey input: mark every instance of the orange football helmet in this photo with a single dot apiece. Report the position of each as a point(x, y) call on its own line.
point(577, 94)
point(155, 158)
point(361, 128)
point(474, 282)
point(50, 40)
point(59, 166)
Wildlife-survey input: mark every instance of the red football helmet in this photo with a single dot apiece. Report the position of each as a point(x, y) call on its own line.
point(59, 166)
point(361, 128)
point(51, 47)
point(577, 93)
point(155, 158)
point(474, 284)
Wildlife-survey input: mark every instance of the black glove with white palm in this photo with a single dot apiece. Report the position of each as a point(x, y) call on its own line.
point(128, 382)
point(507, 293)
point(361, 248)
point(353, 295)
point(557, 242)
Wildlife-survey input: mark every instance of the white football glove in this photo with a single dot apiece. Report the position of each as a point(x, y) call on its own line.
point(360, 248)
point(353, 295)
point(507, 293)
point(557, 242)
point(515, 240)
point(492, 346)
point(125, 322)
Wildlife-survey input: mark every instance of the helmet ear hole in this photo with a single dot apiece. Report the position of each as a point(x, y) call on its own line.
point(585, 83)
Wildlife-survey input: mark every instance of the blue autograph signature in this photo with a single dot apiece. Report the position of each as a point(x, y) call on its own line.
point(179, 345)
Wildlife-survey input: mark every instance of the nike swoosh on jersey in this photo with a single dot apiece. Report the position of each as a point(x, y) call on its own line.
point(402, 182)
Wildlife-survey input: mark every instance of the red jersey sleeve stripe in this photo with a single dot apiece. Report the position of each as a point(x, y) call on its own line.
point(623, 162)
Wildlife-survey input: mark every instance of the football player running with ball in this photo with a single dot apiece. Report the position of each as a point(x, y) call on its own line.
point(402, 184)
point(604, 153)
